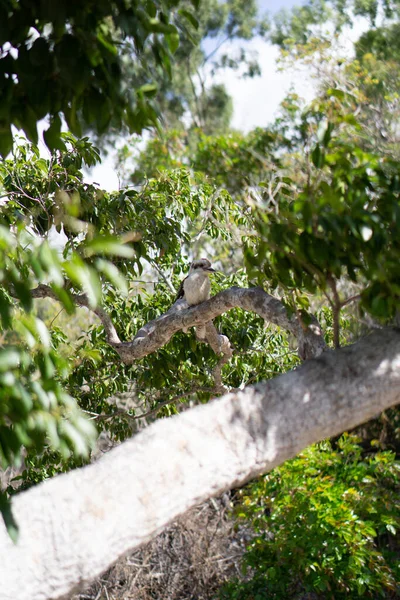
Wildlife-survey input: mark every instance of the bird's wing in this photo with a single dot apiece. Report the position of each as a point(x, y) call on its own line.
point(181, 291)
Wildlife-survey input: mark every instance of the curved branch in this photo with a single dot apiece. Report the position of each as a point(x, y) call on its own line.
point(76, 525)
point(158, 332)
point(45, 291)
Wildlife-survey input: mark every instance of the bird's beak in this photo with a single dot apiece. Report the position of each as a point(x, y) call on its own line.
point(211, 270)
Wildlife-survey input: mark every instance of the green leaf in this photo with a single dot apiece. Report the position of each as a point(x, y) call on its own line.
point(113, 274)
point(51, 264)
point(380, 306)
point(76, 439)
point(22, 291)
point(71, 116)
point(85, 278)
point(172, 40)
point(107, 44)
point(6, 238)
point(149, 89)
point(340, 94)
point(157, 26)
point(9, 359)
point(52, 135)
point(28, 120)
point(65, 298)
point(8, 517)
point(43, 333)
point(46, 366)
point(5, 310)
point(92, 287)
point(317, 157)
point(40, 52)
point(328, 134)
point(190, 17)
point(107, 245)
point(391, 529)
point(151, 8)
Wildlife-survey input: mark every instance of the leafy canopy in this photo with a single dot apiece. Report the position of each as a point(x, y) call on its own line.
point(312, 19)
point(64, 60)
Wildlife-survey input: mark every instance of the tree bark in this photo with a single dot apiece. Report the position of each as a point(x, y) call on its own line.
point(158, 332)
point(76, 525)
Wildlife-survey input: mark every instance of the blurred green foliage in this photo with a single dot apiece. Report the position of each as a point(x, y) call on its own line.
point(74, 49)
point(301, 23)
point(342, 223)
point(212, 39)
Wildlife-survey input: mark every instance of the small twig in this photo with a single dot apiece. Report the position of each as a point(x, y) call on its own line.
point(218, 46)
point(203, 89)
point(92, 414)
point(166, 280)
point(267, 164)
point(350, 300)
point(195, 95)
point(57, 315)
point(336, 307)
point(156, 409)
point(208, 215)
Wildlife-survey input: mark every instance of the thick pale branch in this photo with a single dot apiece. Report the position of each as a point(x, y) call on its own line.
point(76, 525)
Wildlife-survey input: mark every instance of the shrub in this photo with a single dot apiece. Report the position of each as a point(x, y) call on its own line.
point(325, 523)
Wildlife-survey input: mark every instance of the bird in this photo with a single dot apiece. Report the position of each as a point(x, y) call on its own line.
point(195, 288)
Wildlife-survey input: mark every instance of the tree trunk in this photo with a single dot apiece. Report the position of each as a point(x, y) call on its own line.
point(76, 525)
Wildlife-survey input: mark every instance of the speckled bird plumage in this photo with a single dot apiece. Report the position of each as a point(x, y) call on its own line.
point(195, 288)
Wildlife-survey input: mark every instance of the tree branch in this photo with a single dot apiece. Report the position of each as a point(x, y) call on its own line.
point(220, 344)
point(76, 525)
point(45, 291)
point(156, 333)
point(218, 46)
point(336, 308)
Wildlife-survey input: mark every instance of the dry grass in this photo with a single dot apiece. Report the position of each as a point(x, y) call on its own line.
point(189, 560)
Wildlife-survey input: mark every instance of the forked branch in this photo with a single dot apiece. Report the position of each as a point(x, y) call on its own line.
point(156, 333)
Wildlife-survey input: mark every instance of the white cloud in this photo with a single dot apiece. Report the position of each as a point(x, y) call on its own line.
point(256, 101)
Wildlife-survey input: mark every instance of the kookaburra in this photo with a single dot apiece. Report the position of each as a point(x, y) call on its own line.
point(195, 288)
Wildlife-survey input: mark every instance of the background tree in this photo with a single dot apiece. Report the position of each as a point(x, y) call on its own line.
point(188, 95)
point(311, 34)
